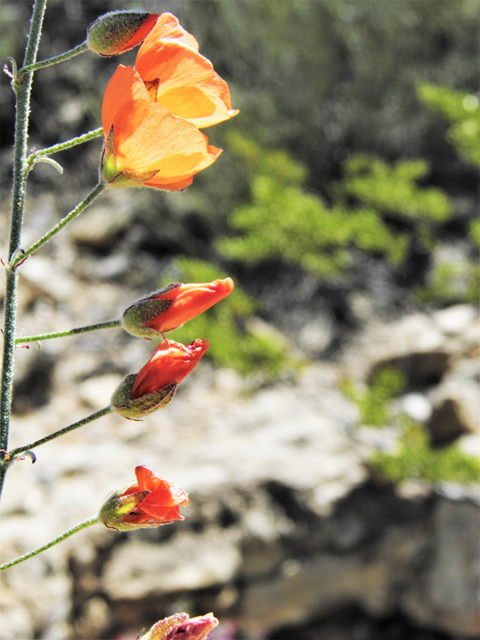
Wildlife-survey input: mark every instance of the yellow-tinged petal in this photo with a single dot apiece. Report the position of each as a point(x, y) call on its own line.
point(168, 27)
point(185, 83)
point(161, 142)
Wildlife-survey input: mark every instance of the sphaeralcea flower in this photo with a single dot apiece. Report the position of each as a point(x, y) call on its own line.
point(155, 384)
point(178, 77)
point(172, 306)
point(149, 502)
point(145, 144)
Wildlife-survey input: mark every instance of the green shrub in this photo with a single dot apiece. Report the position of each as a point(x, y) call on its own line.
point(415, 459)
point(285, 222)
point(373, 402)
point(462, 110)
point(393, 188)
point(451, 283)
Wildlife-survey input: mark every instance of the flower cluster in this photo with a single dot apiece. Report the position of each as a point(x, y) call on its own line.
point(152, 114)
point(162, 311)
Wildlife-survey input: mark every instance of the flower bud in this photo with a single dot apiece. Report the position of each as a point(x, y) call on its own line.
point(150, 502)
point(135, 408)
point(172, 306)
point(119, 31)
point(155, 384)
point(181, 627)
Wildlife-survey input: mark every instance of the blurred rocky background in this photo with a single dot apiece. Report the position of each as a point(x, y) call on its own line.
point(330, 440)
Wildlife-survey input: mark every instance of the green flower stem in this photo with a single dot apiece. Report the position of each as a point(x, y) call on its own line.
point(30, 68)
point(22, 87)
point(91, 135)
point(56, 434)
point(52, 543)
point(109, 324)
point(20, 256)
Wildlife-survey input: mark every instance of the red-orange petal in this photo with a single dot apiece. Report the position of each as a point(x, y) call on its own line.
point(190, 300)
point(171, 362)
point(125, 89)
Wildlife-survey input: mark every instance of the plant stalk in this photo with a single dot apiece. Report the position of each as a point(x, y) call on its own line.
point(30, 68)
point(68, 144)
point(63, 536)
point(108, 324)
point(56, 434)
point(20, 257)
point(22, 87)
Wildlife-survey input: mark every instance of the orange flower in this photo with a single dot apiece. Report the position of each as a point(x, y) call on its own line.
point(119, 31)
point(150, 502)
point(181, 627)
point(145, 145)
point(180, 78)
point(155, 385)
point(170, 363)
point(172, 306)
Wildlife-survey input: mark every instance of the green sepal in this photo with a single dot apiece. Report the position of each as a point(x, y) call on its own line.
point(109, 34)
point(137, 408)
point(163, 628)
point(117, 507)
point(141, 311)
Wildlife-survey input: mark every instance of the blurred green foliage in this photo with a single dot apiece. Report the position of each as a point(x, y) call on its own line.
point(416, 460)
point(394, 189)
point(462, 111)
point(373, 402)
point(285, 221)
point(235, 342)
point(451, 283)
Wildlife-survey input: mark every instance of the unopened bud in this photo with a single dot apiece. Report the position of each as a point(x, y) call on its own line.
point(119, 31)
point(135, 408)
point(172, 306)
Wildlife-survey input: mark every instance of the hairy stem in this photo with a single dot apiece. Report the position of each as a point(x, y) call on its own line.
point(91, 135)
point(30, 68)
point(108, 324)
point(63, 536)
point(22, 87)
point(60, 432)
point(19, 257)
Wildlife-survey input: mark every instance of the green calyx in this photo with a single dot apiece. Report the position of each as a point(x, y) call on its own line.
point(113, 32)
point(111, 175)
point(135, 409)
point(140, 312)
point(116, 507)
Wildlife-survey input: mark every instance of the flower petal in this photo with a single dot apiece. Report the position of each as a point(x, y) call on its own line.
point(187, 83)
point(125, 89)
point(167, 27)
point(171, 362)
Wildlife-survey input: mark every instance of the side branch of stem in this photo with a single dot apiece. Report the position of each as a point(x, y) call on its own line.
point(48, 545)
point(61, 146)
point(61, 432)
point(30, 68)
point(109, 324)
point(68, 218)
